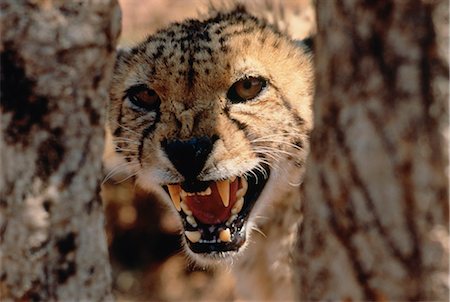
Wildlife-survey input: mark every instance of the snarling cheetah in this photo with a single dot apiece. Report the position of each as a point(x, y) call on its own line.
point(214, 115)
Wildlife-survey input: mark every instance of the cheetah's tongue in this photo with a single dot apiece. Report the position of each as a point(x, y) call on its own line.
point(216, 207)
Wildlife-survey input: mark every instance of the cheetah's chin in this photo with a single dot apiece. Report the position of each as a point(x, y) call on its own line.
point(215, 218)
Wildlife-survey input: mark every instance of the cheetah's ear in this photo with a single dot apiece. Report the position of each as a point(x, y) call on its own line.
point(307, 44)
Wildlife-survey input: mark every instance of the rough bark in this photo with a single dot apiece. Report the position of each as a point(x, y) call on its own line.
point(56, 58)
point(376, 208)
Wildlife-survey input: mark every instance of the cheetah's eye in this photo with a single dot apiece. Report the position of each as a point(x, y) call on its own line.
point(143, 97)
point(245, 89)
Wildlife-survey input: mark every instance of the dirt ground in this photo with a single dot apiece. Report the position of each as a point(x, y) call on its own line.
point(143, 239)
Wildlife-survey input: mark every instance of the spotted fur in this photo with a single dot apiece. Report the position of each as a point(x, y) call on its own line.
point(191, 65)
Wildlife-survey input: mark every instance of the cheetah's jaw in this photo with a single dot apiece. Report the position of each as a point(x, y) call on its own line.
point(214, 220)
point(223, 187)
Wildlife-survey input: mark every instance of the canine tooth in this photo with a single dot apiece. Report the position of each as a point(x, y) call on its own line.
point(231, 219)
point(225, 235)
point(185, 209)
point(183, 194)
point(191, 220)
point(193, 236)
point(237, 206)
point(224, 191)
point(244, 186)
point(240, 193)
point(244, 183)
point(174, 192)
point(232, 179)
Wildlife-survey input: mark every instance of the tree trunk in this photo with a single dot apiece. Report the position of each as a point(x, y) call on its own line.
point(376, 208)
point(56, 61)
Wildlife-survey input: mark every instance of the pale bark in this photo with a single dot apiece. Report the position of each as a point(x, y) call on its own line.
point(56, 61)
point(376, 198)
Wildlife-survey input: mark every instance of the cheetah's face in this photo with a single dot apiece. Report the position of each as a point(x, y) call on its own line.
point(216, 112)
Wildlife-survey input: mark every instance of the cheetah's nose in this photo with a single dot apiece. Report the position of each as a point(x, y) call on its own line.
point(189, 157)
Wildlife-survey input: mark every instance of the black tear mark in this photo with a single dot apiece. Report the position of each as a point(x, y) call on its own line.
point(50, 154)
point(147, 131)
point(16, 96)
point(67, 244)
point(240, 125)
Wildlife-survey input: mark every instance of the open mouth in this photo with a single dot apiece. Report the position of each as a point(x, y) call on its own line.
point(215, 213)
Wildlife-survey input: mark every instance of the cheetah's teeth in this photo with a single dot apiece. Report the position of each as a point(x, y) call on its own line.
point(191, 220)
point(193, 236)
point(186, 209)
point(244, 186)
point(224, 191)
point(231, 219)
point(208, 191)
point(174, 192)
point(238, 206)
point(225, 235)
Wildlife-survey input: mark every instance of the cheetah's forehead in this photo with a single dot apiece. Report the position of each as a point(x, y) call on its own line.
point(185, 56)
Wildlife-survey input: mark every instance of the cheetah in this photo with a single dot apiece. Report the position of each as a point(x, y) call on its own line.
point(213, 115)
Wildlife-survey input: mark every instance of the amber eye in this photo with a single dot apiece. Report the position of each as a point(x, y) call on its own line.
point(245, 89)
point(143, 97)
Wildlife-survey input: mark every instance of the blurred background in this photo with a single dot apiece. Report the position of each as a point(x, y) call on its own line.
point(143, 237)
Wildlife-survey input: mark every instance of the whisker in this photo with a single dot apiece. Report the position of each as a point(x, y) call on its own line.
point(254, 174)
point(123, 138)
point(279, 142)
point(126, 178)
point(123, 149)
point(262, 152)
point(261, 217)
point(263, 161)
point(119, 168)
point(287, 134)
point(292, 184)
point(255, 228)
point(262, 170)
point(126, 141)
point(275, 150)
point(126, 128)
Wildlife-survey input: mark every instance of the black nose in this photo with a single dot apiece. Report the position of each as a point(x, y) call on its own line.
point(189, 157)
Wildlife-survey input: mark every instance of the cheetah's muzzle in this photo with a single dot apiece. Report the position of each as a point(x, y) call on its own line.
point(215, 219)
